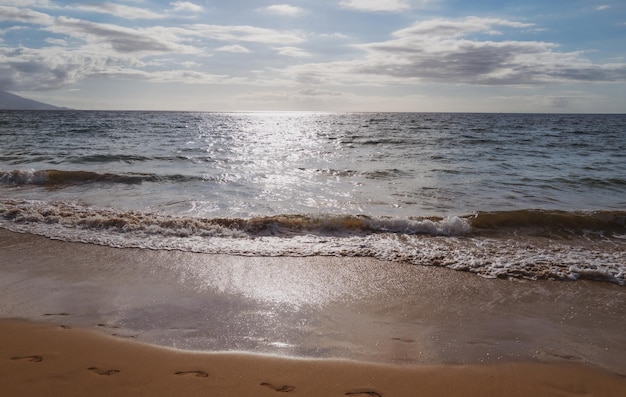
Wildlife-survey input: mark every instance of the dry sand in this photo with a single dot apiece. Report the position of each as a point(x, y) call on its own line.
point(52, 360)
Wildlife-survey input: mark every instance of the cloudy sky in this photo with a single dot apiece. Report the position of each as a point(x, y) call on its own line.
point(329, 55)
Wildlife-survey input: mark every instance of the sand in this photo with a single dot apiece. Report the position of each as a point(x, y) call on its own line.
point(96, 320)
point(39, 359)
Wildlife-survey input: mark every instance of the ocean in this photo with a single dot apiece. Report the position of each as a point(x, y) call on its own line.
point(528, 196)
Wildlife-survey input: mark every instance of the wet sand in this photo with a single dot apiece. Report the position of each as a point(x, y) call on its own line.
point(44, 359)
point(367, 326)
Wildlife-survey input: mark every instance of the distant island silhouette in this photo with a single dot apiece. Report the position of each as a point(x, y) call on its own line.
point(10, 101)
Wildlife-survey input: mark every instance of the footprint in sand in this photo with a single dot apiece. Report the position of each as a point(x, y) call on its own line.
point(281, 389)
point(34, 359)
point(363, 393)
point(103, 372)
point(125, 336)
point(56, 314)
point(198, 374)
point(405, 340)
point(103, 325)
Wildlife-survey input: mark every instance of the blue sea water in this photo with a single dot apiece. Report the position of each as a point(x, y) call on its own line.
point(500, 195)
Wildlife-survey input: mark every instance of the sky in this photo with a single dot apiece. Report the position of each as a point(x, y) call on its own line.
point(556, 56)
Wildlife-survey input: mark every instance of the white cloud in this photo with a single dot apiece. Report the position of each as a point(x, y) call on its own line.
point(121, 39)
point(284, 9)
point(79, 49)
point(56, 67)
point(376, 5)
point(603, 7)
point(174, 76)
point(190, 64)
point(49, 68)
point(59, 42)
point(439, 51)
point(24, 16)
point(333, 36)
point(186, 6)
point(12, 29)
point(118, 10)
point(235, 48)
point(293, 52)
point(27, 3)
point(455, 27)
point(245, 33)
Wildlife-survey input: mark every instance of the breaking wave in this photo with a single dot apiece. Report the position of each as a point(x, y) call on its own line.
point(74, 215)
point(604, 223)
point(528, 244)
point(59, 179)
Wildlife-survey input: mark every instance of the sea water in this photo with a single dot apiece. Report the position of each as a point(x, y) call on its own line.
point(500, 195)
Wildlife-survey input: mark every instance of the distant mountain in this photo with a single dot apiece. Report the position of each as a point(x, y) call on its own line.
point(10, 101)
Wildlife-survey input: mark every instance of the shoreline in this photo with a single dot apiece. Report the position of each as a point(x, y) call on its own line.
point(324, 308)
point(38, 359)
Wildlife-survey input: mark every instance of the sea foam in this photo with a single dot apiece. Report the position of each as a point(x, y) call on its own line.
point(449, 242)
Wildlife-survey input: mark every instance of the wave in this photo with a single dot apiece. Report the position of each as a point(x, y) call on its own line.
point(581, 181)
point(495, 244)
point(347, 173)
point(58, 178)
point(546, 222)
point(74, 215)
point(107, 158)
point(503, 224)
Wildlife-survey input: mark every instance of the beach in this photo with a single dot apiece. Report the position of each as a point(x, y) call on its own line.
point(43, 359)
point(93, 319)
point(321, 254)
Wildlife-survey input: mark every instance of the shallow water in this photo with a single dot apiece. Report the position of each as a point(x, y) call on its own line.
point(353, 308)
